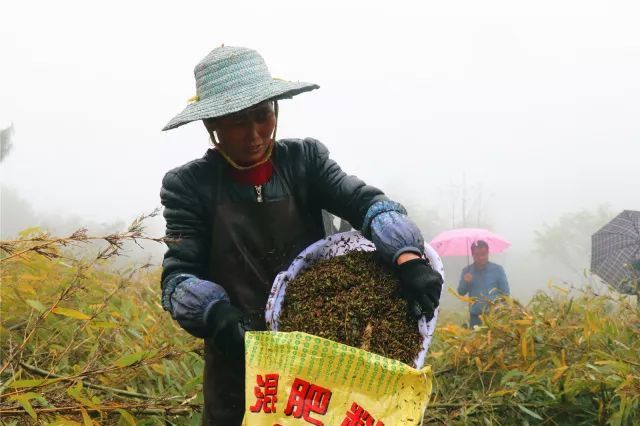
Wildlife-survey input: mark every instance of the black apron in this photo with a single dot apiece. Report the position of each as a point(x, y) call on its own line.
point(251, 243)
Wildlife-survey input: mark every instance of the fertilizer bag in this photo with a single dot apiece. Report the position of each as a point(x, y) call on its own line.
point(296, 378)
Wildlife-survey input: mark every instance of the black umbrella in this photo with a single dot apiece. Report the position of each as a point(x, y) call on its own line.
point(615, 252)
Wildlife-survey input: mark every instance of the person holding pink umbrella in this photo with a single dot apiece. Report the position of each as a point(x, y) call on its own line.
point(483, 280)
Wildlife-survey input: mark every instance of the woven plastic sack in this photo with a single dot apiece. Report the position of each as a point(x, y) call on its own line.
point(300, 379)
point(336, 245)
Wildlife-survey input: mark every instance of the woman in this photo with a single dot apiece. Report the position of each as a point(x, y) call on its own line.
point(240, 214)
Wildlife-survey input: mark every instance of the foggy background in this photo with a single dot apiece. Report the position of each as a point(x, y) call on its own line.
point(523, 118)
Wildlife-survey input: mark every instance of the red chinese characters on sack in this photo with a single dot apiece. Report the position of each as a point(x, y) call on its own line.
point(358, 416)
point(266, 393)
point(306, 398)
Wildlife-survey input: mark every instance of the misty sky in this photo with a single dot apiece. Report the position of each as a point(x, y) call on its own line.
point(539, 102)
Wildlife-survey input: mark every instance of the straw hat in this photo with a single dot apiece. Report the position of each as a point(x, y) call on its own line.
point(230, 79)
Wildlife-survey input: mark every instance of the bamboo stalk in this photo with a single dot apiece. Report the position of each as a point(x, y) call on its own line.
point(137, 408)
point(40, 372)
point(481, 405)
point(42, 316)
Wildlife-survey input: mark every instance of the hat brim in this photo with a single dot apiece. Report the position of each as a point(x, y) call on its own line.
point(249, 95)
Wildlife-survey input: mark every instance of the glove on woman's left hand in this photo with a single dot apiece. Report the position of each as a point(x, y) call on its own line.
point(421, 287)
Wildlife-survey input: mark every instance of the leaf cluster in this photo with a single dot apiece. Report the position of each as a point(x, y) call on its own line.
point(83, 343)
point(571, 358)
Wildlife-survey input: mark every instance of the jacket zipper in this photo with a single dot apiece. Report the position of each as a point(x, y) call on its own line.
point(258, 193)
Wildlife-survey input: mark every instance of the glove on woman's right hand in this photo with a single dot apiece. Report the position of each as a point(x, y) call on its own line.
point(228, 325)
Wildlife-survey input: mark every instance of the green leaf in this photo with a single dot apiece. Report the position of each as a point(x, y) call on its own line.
point(127, 416)
point(529, 412)
point(34, 395)
point(75, 390)
point(32, 383)
point(72, 313)
point(104, 324)
point(24, 401)
point(191, 383)
point(511, 374)
point(36, 305)
point(130, 359)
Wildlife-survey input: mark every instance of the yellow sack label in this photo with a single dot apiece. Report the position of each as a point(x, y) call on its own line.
point(297, 379)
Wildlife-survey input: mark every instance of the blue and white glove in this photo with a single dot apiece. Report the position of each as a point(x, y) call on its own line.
point(392, 231)
point(190, 300)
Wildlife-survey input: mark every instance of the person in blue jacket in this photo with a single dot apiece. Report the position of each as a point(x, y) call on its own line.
point(483, 280)
point(241, 213)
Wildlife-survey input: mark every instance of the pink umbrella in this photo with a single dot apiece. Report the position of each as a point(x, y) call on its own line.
point(457, 242)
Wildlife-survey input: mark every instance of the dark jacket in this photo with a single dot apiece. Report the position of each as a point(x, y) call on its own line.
point(190, 192)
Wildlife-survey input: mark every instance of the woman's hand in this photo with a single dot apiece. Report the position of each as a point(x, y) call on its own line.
point(229, 325)
point(421, 286)
point(404, 257)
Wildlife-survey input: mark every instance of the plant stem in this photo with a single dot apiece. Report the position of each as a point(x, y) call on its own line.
point(138, 408)
point(40, 372)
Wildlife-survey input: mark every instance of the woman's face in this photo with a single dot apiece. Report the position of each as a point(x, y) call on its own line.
point(245, 135)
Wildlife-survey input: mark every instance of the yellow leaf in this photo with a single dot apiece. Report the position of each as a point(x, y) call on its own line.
point(103, 324)
point(560, 289)
point(158, 368)
point(616, 364)
point(465, 299)
point(500, 392)
point(533, 365)
point(86, 418)
point(558, 373)
point(523, 322)
point(63, 421)
point(28, 289)
point(490, 363)
point(454, 329)
point(127, 416)
point(72, 313)
point(523, 345)
point(478, 363)
point(35, 230)
point(29, 277)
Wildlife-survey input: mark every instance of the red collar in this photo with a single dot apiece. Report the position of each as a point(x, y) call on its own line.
point(258, 175)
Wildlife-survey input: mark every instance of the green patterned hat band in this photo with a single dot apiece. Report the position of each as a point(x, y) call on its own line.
point(230, 79)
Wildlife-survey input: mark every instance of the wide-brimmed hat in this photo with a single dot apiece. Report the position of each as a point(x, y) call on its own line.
point(230, 79)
